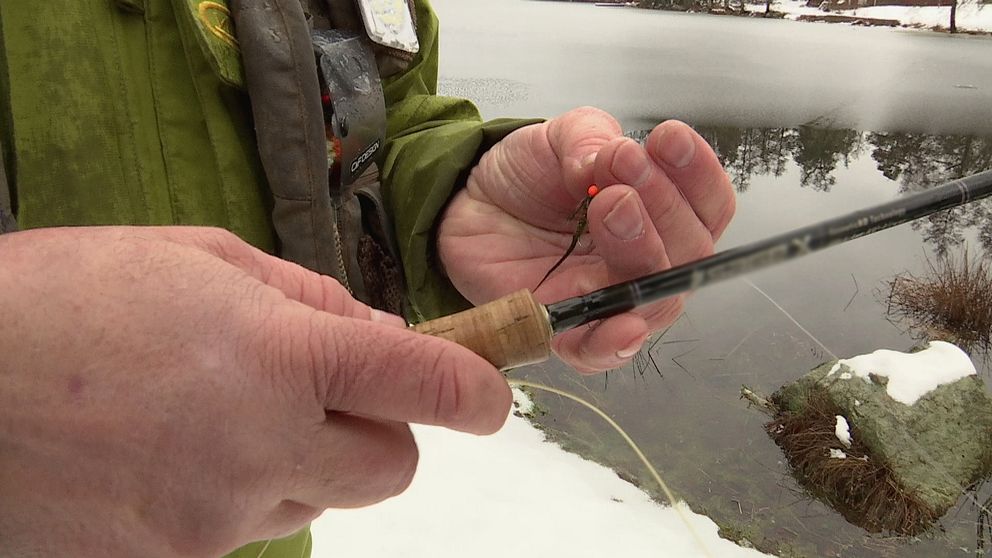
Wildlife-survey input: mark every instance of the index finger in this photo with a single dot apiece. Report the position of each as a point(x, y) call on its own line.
point(576, 138)
point(294, 281)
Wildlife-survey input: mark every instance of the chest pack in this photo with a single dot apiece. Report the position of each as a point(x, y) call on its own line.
point(313, 70)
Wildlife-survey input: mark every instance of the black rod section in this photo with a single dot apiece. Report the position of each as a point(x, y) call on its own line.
point(610, 301)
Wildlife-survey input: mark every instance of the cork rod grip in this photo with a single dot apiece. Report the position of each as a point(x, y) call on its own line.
point(508, 332)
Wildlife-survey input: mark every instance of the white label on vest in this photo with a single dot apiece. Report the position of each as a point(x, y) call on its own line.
point(389, 23)
point(365, 156)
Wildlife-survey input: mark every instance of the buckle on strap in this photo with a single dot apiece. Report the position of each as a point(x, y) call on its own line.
point(354, 105)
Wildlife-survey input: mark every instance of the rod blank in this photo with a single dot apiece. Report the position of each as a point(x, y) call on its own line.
point(610, 301)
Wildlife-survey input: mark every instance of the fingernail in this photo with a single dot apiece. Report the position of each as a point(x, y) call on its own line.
point(624, 220)
point(630, 351)
point(631, 164)
point(676, 147)
point(386, 318)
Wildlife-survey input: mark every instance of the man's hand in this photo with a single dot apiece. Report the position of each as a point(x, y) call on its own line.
point(175, 392)
point(660, 205)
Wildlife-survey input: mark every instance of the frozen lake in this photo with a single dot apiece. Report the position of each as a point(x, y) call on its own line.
point(812, 121)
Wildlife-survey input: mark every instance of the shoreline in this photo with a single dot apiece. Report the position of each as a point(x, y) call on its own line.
point(972, 19)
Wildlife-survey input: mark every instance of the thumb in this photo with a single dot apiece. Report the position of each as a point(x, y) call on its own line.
point(373, 369)
point(576, 138)
point(538, 173)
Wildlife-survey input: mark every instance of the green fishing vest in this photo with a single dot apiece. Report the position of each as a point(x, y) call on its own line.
point(117, 120)
point(131, 112)
point(126, 112)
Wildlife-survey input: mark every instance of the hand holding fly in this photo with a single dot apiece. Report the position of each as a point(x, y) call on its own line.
point(660, 205)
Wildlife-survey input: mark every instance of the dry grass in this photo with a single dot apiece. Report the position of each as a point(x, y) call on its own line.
point(952, 302)
point(864, 491)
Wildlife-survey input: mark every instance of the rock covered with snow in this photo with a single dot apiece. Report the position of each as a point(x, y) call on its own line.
point(908, 376)
point(924, 416)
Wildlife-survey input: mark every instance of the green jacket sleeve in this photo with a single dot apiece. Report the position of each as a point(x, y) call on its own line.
point(432, 143)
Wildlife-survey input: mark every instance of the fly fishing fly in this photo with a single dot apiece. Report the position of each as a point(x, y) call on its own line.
point(581, 215)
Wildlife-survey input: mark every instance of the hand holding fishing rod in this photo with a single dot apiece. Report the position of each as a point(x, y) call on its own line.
point(666, 203)
point(514, 330)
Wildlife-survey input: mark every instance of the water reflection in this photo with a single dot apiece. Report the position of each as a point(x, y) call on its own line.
point(915, 161)
point(709, 446)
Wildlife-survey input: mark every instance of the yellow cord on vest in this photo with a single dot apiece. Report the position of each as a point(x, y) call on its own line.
point(633, 446)
point(218, 30)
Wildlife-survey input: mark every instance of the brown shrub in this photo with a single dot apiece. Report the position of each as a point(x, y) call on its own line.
point(952, 302)
point(863, 490)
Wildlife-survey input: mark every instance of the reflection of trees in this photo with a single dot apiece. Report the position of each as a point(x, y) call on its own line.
point(921, 161)
point(747, 152)
point(750, 152)
point(818, 152)
point(915, 161)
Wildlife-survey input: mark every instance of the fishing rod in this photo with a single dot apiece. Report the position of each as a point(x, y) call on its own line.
point(516, 330)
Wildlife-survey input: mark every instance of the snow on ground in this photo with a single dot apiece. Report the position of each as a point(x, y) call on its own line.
point(970, 16)
point(514, 494)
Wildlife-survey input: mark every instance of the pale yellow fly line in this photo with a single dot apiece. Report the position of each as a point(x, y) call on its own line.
point(630, 442)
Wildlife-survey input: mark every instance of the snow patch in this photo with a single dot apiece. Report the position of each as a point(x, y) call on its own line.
point(843, 431)
point(837, 454)
point(522, 403)
point(911, 375)
point(514, 494)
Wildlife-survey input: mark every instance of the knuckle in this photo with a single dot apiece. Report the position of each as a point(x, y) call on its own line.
point(589, 112)
point(703, 247)
point(664, 314)
point(219, 235)
point(334, 366)
point(725, 211)
point(288, 355)
point(449, 404)
point(573, 348)
point(226, 244)
point(317, 355)
point(580, 122)
point(200, 533)
point(385, 471)
point(666, 206)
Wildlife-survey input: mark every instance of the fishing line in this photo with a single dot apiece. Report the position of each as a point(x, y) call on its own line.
point(637, 450)
point(264, 548)
point(788, 315)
